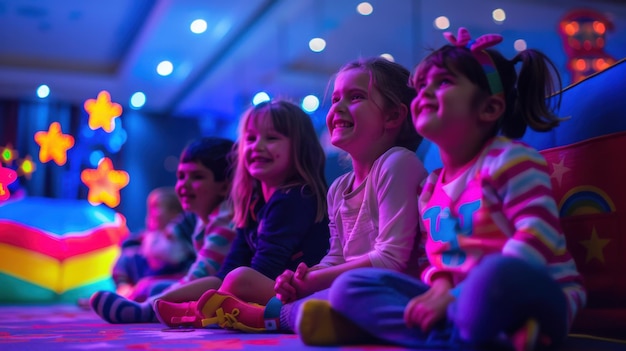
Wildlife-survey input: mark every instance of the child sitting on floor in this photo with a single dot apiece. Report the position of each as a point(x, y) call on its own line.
point(150, 257)
point(280, 211)
point(202, 186)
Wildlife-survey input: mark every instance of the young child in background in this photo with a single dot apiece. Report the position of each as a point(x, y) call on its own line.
point(202, 186)
point(280, 211)
point(149, 257)
point(499, 270)
point(372, 209)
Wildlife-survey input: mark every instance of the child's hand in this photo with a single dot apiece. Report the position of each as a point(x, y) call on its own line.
point(429, 308)
point(284, 290)
point(292, 285)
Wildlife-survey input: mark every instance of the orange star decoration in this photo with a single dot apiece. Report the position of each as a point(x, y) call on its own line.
point(7, 176)
point(594, 246)
point(102, 112)
point(54, 144)
point(104, 183)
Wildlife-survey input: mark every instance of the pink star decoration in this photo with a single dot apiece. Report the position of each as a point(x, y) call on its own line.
point(102, 112)
point(54, 144)
point(104, 183)
point(7, 176)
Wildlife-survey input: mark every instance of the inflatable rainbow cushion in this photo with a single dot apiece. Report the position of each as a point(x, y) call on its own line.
point(57, 249)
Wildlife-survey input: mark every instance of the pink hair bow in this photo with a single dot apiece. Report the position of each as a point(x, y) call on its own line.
point(477, 48)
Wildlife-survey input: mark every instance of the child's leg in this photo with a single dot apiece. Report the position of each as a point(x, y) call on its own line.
point(189, 291)
point(248, 285)
point(114, 308)
point(502, 294)
point(319, 324)
point(374, 299)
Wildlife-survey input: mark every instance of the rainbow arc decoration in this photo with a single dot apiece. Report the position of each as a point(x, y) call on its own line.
point(583, 200)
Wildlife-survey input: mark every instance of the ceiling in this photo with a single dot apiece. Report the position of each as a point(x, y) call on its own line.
point(80, 47)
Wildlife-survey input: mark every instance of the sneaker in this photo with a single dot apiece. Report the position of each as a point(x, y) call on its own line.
point(177, 315)
point(317, 324)
point(526, 338)
point(229, 312)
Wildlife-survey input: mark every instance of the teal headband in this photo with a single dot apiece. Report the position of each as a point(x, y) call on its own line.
point(477, 48)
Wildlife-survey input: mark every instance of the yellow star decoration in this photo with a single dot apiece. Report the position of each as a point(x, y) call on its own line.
point(594, 246)
point(102, 112)
point(558, 171)
point(26, 166)
point(54, 144)
point(104, 183)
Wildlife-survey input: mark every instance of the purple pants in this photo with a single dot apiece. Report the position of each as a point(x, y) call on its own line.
point(497, 298)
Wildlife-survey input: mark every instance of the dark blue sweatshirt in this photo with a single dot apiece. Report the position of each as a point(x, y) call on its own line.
point(282, 234)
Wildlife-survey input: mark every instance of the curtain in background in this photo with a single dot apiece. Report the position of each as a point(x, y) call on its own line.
point(20, 122)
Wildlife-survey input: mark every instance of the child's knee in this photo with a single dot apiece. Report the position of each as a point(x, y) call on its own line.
point(354, 278)
point(238, 278)
point(352, 283)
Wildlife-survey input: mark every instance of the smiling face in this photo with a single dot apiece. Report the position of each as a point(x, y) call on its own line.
point(267, 153)
point(445, 108)
point(355, 120)
point(197, 189)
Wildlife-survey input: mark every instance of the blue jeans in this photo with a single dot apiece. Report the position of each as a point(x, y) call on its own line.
point(497, 297)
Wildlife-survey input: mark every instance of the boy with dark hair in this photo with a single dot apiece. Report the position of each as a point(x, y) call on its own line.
point(203, 181)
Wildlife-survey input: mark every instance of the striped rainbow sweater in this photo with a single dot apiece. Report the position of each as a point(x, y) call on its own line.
point(212, 243)
point(502, 202)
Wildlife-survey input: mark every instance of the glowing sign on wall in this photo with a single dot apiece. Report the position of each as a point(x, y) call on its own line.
point(584, 39)
point(102, 112)
point(54, 144)
point(104, 183)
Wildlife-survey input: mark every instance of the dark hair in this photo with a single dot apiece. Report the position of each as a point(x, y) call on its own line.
point(212, 153)
point(391, 79)
point(526, 94)
point(307, 155)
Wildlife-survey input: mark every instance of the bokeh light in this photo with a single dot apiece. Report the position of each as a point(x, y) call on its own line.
point(165, 68)
point(260, 97)
point(43, 91)
point(317, 44)
point(442, 22)
point(137, 100)
point(365, 8)
point(198, 26)
point(310, 103)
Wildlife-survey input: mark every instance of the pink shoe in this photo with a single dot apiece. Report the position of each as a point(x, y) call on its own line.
point(229, 312)
point(177, 315)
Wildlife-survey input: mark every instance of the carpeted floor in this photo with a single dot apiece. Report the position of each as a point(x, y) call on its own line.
point(67, 327)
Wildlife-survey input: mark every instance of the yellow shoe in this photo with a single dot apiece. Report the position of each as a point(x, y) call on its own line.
point(229, 312)
point(319, 325)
